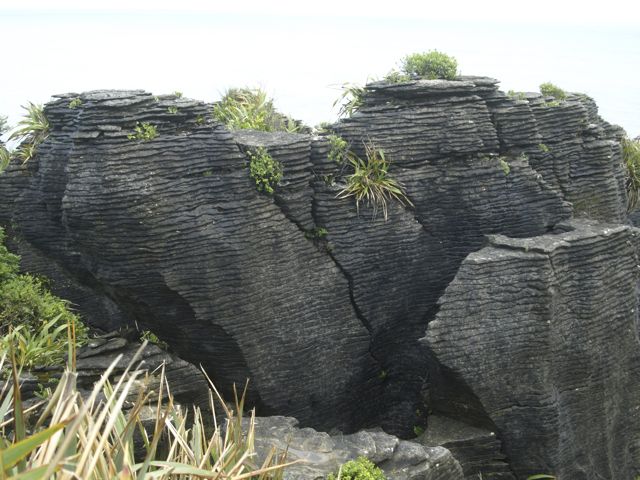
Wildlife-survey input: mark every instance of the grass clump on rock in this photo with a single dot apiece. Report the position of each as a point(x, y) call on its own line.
point(370, 182)
point(360, 469)
point(631, 160)
point(252, 109)
point(31, 131)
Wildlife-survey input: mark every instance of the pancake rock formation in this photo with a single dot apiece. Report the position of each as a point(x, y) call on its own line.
point(501, 304)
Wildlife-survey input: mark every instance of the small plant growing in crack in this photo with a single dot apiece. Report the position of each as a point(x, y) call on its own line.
point(144, 131)
point(265, 171)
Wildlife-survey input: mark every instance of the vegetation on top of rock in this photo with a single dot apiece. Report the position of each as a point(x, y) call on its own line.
point(360, 469)
point(631, 160)
point(517, 95)
point(75, 103)
point(144, 131)
point(33, 321)
point(351, 99)
point(265, 170)
point(431, 65)
point(550, 90)
point(252, 109)
point(371, 182)
point(31, 131)
point(339, 151)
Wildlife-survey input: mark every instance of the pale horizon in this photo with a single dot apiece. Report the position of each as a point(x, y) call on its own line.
point(301, 53)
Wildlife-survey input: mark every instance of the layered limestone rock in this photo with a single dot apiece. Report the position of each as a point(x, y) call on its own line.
point(319, 303)
point(544, 332)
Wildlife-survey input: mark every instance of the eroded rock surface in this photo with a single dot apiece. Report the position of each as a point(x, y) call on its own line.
point(319, 453)
point(322, 306)
point(544, 332)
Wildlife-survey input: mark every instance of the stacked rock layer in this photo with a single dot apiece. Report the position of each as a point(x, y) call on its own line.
point(322, 305)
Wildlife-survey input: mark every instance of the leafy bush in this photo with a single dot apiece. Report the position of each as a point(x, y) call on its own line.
point(395, 76)
point(631, 160)
point(95, 437)
point(31, 131)
point(264, 170)
point(431, 65)
point(339, 149)
point(550, 90)
point(372, 183)
point(251, 109)
point(32, 319)
point(144, 131)
point(75, 103)
point(360, 469)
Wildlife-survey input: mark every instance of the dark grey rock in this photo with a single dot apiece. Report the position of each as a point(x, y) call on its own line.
point(544, 332)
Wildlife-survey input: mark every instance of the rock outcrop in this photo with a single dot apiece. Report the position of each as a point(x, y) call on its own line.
point(322, 306)
point(544, 332)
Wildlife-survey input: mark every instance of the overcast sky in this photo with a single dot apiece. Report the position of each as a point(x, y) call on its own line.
point(300, 52)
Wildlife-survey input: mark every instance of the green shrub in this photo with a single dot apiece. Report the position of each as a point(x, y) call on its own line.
point(543, 148)
point(264, 170)
point(172, 109)
point(75, 103)
point(431, 65)
point(31, 131)
point(339, 150)
point(517, 95)
point(251, 109)
point(631, 161)
point(32, 319)
point(504, 165)
point(360, 469)
point(371, 182)
point(550, 90)
point(144, 131)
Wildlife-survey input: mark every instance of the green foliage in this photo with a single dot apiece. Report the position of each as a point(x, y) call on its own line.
point(5, 158)
point(323, 127)
point(351, 99)
point(552, 103)
point(151, 337)
point(541, 476)
point(264, 170)
point(543, 148)
point(360, 469)
point(4, 127)
point(33, 321)
point(431, 65)
point(631, 161)
point(339, 150)
point(394, 76)
point(172, 109)
point(504, 165)
point(317, 233)
point(200, 120)
point(550, 90)
point(418, 430)
point(177, 94)
point(31, 131)
point(371, 182)
point(251, 109)
point(108, 436)
point(144, 131)
point(75, 103)
point(517, 95)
